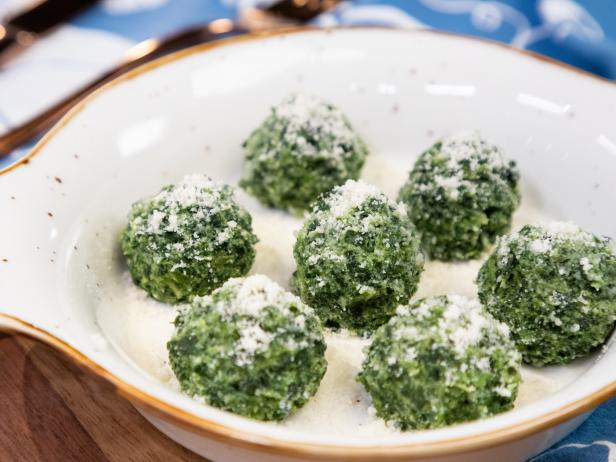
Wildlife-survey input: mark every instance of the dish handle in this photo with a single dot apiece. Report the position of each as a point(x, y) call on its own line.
point(10, 324)
point(13, 325)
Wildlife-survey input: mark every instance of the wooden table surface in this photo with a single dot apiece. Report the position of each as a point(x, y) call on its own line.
point(52, 410)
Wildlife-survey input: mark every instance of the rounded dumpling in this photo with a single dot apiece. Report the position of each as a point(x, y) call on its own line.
point(554, 285)
point(440, 361)
point(357, 257)
point(304, 148)
point(250, 348)
point(188, 240)
point(461, 195)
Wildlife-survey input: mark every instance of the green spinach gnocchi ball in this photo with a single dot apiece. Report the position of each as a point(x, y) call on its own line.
point(250, 348)
point(187, 240)
point(441, 361)
point(304, 148)
point(357, 257)
point(554, 285)
point(461, 195)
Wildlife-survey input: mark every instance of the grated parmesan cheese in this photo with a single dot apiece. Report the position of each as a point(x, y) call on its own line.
point(252, 340)
point(307, 115)
point(464, 153)
point(199, 193)
point(586, 265)
point(552, 233)
point(463, 324)
point(350, 195)
point(251, 296)
point(344, 199)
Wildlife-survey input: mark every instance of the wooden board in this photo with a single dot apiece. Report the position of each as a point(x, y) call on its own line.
point(52, 410)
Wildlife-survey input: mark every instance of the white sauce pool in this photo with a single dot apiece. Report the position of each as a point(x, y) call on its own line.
point(140, 327)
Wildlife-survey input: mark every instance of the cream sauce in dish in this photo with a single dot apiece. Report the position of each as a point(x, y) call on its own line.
point(139, 327)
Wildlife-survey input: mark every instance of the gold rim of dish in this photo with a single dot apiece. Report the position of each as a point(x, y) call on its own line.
point(229, 435)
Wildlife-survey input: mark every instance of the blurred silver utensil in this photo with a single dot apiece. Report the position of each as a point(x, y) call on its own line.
point(284, 13)
point(21, 31)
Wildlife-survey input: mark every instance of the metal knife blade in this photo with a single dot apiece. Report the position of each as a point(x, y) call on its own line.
point(22, 31)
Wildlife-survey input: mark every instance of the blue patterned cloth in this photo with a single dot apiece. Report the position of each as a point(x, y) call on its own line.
point(581, 33)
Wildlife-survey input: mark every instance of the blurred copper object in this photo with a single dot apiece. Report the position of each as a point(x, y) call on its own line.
point(21, 31)
point(281, 14)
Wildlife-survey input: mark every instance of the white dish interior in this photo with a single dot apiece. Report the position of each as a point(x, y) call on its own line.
point(401, 90)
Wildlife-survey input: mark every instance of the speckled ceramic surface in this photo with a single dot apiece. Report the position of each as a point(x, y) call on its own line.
point(402, 90)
